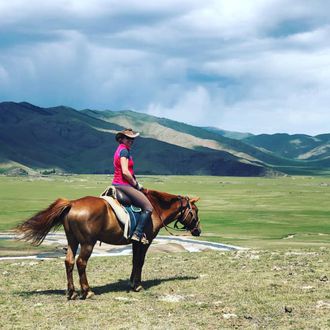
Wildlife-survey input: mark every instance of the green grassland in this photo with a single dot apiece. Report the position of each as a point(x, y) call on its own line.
point(250, 212)
point(279, 283)
point(211, 290)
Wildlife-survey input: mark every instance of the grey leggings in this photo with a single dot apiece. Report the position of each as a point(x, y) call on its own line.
point(137, 197)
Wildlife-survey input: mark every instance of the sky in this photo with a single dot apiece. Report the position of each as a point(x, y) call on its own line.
point(258, 66)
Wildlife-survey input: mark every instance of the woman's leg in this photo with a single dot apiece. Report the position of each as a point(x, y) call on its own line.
point(137, 197)
point(140, 200)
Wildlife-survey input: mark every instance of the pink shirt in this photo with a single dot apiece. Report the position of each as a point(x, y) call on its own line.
point(118, 178)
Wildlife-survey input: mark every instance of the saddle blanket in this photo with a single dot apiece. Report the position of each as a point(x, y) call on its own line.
point(128, 216)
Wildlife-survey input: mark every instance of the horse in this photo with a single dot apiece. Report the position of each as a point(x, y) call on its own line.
point(91, 219)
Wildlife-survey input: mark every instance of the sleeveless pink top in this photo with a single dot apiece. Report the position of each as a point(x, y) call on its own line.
point(118, 178)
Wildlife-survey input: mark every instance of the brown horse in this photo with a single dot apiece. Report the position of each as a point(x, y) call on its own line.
point(91, 219)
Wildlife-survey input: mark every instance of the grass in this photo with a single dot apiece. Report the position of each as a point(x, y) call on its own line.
point(282, 282)
point(9, 248)
point(251, 212)
point(211, 290)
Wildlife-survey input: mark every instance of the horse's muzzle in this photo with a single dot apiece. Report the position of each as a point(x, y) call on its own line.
point(196, 232)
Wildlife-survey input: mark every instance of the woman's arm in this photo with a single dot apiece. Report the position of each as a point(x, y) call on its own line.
point(126, 173)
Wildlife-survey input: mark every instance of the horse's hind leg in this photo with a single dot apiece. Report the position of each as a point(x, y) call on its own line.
point(85, 252)
point(69, 265)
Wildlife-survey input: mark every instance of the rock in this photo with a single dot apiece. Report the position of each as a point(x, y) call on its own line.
point(228, 316)
point(125, 299)
point(308, 287)
point(38, 305)
point(288, 309)
point(324, 278)
point(218, 302)
point(323, 304)
point(171, 298)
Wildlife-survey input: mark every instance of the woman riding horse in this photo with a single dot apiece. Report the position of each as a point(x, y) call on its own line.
point(91, 219)
point(125, 181)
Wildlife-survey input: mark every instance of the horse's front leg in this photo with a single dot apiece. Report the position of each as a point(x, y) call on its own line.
point(85, 252)
point(139, 253)
point(135, 261)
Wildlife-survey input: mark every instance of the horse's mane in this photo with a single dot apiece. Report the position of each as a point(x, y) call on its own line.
point(163, 199)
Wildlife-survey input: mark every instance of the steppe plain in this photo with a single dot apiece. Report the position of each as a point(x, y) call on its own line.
point(281, 281)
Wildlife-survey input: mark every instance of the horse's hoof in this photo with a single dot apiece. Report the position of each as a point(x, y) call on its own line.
point(137, 288)
point(90, 294)
point(72, 296)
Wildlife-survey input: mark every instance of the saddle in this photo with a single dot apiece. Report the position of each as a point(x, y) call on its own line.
point(127, 214)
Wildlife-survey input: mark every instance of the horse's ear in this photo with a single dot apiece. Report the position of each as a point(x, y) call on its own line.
point(194, 200)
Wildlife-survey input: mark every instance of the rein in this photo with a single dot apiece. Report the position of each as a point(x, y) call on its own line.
point(182, 218)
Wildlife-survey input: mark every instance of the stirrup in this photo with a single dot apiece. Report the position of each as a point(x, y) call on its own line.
point(135, 237)
point(144, 239)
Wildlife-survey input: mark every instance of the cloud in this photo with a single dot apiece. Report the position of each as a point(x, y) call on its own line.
point(258, 66)
point(195, 102)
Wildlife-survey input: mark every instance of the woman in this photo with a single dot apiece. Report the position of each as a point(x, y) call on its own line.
point(124, 180)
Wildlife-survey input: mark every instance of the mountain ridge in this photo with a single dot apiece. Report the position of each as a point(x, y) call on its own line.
point(83, 142)
point(72, 141)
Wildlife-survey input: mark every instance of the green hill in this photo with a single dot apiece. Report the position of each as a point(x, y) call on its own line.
point(297, 146)
point(193, 137)
point(229, 134)
point(64, 139)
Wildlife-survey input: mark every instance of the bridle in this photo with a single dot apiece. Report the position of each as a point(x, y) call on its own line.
point(185, 211)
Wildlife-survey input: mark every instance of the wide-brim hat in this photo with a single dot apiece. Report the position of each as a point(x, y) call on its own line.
point(128, 132)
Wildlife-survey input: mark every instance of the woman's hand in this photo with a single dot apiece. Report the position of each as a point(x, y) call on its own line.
point(138, 186)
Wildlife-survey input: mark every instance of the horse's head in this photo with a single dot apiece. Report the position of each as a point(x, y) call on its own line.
point(188, 216)
point(171, 207)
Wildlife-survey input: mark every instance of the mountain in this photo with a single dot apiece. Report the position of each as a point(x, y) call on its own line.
point(297, 146)
point(74, 141)
point(229, 134)
point(64, 139)
point(195, 138)
point(188, 136)
point(52, 137)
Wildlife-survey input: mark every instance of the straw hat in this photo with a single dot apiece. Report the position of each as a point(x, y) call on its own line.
point(128, 132)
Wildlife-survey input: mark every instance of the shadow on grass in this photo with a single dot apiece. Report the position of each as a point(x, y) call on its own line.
point(119, 286)
point(41, 292)
point(123, 285)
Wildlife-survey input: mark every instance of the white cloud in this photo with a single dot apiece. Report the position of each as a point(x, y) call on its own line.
point(259, 66)
point(192, 106)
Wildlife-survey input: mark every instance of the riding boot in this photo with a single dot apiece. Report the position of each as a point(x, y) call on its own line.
point(138, 234)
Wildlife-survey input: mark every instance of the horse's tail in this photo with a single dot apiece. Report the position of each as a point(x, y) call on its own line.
point(37, 227)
